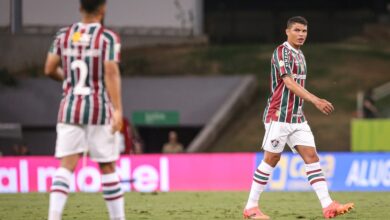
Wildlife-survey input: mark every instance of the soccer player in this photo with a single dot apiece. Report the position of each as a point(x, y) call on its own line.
point(285, 123)
point(90, 111)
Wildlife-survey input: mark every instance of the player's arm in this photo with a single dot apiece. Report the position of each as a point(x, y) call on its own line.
point(321, 104)
point(113, 84)
point(52, 67)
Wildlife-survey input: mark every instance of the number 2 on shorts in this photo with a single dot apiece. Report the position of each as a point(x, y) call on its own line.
point(80, 88)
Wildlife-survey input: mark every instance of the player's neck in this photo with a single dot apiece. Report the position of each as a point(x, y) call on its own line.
point(294, 45)
point(91, 18)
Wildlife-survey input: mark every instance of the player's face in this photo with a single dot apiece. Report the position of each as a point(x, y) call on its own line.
point(296, 35)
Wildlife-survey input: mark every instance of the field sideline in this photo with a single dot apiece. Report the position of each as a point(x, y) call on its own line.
point(194, 205)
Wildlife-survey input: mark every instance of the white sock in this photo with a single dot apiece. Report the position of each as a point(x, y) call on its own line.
point(317, 180)
point(113, 194)
point(59, 193)
point(260, 180)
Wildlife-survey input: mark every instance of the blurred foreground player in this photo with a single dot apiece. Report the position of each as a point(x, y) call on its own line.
point(285, 123)
point(91, 107)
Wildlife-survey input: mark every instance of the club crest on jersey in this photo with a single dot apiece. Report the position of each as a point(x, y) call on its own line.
point(82, 39)
point(274, 143)
point(281, 63)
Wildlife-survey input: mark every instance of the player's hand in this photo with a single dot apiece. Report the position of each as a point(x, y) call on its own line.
point(117, 121)
point(324, 106)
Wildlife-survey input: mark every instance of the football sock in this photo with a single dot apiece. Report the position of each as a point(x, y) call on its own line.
point(113, 194)
point(317, 180)
point(260, 180)
point(59, 193)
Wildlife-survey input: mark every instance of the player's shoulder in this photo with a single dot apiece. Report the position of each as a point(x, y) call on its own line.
point(284, 47)
point(62, 31)
point(281, 49)
point(110, 34)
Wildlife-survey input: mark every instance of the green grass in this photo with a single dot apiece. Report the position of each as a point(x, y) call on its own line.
point(195, 205)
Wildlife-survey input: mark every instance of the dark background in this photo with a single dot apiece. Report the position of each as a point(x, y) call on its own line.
point(229, 21)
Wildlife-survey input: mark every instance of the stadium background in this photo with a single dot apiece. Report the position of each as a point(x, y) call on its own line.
point(201, 68)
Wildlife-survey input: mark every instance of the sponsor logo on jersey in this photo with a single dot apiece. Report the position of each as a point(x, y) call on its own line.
point(286, 56)
point(298, 76)
point(81, 39)
point(84, 53)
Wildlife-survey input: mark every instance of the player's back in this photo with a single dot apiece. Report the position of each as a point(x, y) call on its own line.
point(83, 49)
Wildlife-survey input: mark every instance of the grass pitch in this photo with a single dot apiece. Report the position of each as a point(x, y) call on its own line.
point(195, 205)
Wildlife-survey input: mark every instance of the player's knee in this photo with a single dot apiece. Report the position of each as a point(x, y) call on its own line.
point(69, 166)
point(271, 159)
point(106, 168)
point(311, 158)
point(70, 162)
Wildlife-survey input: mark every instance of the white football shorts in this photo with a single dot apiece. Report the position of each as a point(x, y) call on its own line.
point(98, 140)
point(277, 134)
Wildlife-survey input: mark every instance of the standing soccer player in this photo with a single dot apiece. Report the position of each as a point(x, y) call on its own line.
point(91, 107)
point(285, 123)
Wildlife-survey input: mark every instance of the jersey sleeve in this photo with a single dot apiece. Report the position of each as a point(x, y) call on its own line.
point(282, 61)
point(113, 49)
point(55, 47)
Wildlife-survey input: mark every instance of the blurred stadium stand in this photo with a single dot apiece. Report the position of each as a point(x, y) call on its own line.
point(10, 134)
point(263, 21)
point(381, 95)
point(372, 134)
point(140, 23)
point(34, 103)
point(29, 50)
point(167, 22)
point(152, 22)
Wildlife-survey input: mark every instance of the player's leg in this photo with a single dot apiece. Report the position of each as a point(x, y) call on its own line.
point(303, 140)
point(60, 186)
point(112, 191)
point(273, 144)
point(104, 151)
point(261, 177)
point(70, 142)
point(314, 173)
point(317, 180)
point(259, 182)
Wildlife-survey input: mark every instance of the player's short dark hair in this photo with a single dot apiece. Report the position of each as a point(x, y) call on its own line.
point(91, 6)
point(296, 19)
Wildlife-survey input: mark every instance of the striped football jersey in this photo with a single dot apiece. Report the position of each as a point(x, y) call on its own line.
point(283, 105)
point(83, 49)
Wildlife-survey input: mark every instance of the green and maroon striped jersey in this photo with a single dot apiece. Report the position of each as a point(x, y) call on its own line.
point(283, 105)
point(83, 49)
